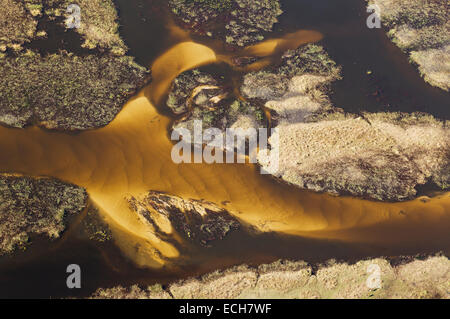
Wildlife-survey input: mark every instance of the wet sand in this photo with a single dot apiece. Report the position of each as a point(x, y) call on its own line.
point(132, 155)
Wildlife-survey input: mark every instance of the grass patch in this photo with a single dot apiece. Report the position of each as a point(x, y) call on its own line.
point(237, 22)
point(421, 28)
point(17, 25)
point(64, 91)
point(79, 79)
point(35, 205)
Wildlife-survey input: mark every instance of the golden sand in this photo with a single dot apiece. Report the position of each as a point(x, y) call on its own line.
point(132, 156)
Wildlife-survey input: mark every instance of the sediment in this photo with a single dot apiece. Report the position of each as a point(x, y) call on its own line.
point(31, 205)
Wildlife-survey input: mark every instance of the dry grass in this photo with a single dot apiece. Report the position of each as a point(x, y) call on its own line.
point(422, 29)
point(284, 279)
point(382, 156)
point(133, 292)
point(434, 65)
point(382, 160)
point(99, 25)
point(35, 206)
point(17, 25)
point(99, 22)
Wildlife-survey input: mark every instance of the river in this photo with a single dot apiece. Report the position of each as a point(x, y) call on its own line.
point(131, 156)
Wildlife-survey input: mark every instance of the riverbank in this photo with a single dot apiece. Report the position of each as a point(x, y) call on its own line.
point(427, 278)
point(62, 78)
point(31, 206)
point(422, 30)
point(383, 156)
point(237, 22)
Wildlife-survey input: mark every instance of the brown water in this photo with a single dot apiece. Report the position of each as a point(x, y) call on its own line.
point(132, 155)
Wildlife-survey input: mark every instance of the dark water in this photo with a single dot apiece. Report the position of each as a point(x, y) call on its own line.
point(40, 272)
point(394, 85)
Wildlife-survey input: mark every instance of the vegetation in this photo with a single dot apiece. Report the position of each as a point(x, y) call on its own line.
point(276, 81)
point(196, 221)
point(17, 25)
point(311, 59)
point(199, 96)
point(423, 279)
point(382, 156)
point(65, 91)
point(422, 29)
point(217, 5)
point(76, 86)
point(183, 87)
point(94, 227)
point(99, 26)
point(238, 22)
point(35, 206)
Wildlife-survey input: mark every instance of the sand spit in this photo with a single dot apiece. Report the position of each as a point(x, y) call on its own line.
point(193, 220)
point(131, 156)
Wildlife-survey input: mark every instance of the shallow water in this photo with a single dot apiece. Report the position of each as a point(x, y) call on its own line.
point(132, 156)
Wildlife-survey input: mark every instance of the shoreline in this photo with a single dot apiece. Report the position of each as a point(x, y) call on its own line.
point(45, 70)
point(287, 279)
point(318, 146)
point(312, 213)
point(421, 30)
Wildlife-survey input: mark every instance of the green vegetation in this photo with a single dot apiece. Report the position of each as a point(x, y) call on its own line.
point(199, 96)
point(35, 206)
point(183, 86)
point(17, 25)
point(82, 85)
point(421, 28)
point(307, 59)
point(218, 5)
point(238, 22)
point(424, 279)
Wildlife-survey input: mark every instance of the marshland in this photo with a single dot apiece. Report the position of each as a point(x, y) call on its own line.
point(365, 159)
